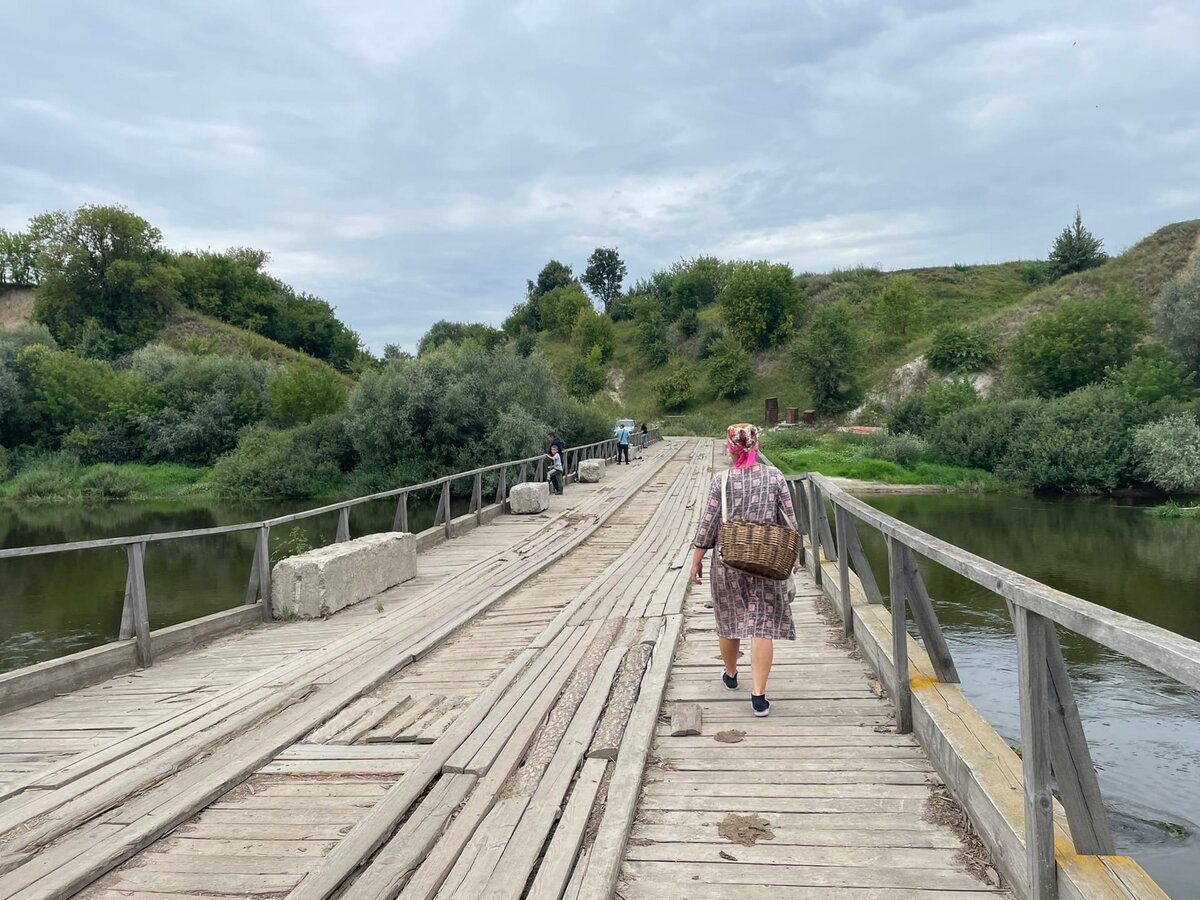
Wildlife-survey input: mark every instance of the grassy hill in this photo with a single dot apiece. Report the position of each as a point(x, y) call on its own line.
point(1002, 297)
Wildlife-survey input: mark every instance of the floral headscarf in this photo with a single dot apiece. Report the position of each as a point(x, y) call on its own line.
point(741, 440)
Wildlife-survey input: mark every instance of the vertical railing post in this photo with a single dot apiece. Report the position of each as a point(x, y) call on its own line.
point(1035, 753)
point(523, 475)
point(252, 585)
point(400, 520)
point(541, 470)
point(444, 506)
point(926, 618)
point(502, 485)
point(902, 690)
point(343, 528)
point(135, 600)
point(477, 498)
point(263, 553)
point(814, 532)
point(839, 521)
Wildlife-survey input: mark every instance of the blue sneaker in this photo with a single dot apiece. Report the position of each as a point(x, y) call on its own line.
point(730, 681)
point(761, 705)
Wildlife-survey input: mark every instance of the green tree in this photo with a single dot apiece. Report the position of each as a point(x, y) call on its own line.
point(760, 303)
point(957, 348)
point(921, 413)
point(1168, 453)
point(18, 258)
point(676, 390)
point(553, 275)
point(445, 332)
point(302, 392)
point(1177, 316)
point(650, 334)
point(695, 285)
point(603, 276)
point(1075, 250)
point(689, 323)
point(900, 309)
point(1075, 344)
point(103, 272)
point(586, 375)
point(729, 369)
point(829, 357)
point(592, 330)
point(62, 392)
point(559, 308)
point(1154, 379)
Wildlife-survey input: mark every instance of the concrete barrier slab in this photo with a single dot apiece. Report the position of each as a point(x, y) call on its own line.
point(322, 581)
point(528, 498)
point(591, 470)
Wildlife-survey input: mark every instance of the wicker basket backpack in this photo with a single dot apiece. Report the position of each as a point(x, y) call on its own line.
point(769, 551)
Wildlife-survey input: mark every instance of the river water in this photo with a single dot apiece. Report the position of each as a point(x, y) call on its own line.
point(1144, 730)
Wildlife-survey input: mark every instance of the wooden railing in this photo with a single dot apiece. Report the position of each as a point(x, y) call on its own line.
point(135, 619)
point(1053, 745)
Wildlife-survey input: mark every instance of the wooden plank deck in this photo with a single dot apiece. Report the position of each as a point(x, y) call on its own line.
point(821, 799)
point(499, 731)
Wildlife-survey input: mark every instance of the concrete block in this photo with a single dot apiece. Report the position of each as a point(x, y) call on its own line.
point(591, 470)
point(530, 497)
point(322, 581)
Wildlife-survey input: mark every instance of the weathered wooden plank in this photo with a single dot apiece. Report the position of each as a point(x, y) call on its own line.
point(686, 719)
point(1032, 673)
point(901, 685)
point(926, 619)
point(555, 868)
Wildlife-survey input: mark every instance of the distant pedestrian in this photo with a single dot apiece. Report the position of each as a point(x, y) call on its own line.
point(555, 475)
point(746, 606)
point(645, 437)
point(555, 442)
point(622, 436)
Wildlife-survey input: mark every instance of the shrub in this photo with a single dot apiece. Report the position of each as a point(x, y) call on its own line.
point(109, 481)
point(1079, 443)
point(1075, 250)
point(1154, 378)
point(1033, 272)
point(792, 438)
point(1168, 453)
point(956, 348)
point(760, 304)
point(194, 436)
point(5, 470)
point(919, 413)
point(1177, 316)
point(13, 341)
point(689, 323)
point(650, 335)
point(677, 389)
point(829, 359)
point(902, 449)
point(592, 330)
point(729, 369)
point(586, 375)
point(900, 309)
point(694, 285)
point(62, 392)
point(302, 393)
point(978, 436)
point(270, 463)
point(47, 477)
point(1076, 343)
point(708, 340)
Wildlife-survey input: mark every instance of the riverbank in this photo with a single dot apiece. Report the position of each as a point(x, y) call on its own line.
point(874, 463)
point(62, 478)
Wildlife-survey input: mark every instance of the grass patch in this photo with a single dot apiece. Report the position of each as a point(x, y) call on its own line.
point(838, 457)
point(62, 477)
point(1172, 510)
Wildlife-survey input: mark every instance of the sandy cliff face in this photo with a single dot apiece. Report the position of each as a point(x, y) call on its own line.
point(16, 307)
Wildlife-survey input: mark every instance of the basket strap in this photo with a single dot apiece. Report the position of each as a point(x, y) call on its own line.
point(724, 497)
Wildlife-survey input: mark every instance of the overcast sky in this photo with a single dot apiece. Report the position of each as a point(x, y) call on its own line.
point(416, 161)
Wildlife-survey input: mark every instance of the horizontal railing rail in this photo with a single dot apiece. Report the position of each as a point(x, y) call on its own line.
point(135, 621)
point(1054, 746)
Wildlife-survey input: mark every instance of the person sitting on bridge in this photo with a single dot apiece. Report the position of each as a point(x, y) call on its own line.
point(554, 442)
point(746, 606)
point(555, 475)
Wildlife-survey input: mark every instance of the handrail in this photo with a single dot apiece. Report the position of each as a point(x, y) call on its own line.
point(135, 619)
point(124, 540)
point(1054, 747)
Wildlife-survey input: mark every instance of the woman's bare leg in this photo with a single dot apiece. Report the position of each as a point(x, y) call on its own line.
point(762, 654)
point(729, 653)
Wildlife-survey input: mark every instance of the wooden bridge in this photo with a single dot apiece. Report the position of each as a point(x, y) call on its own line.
point(539, 714)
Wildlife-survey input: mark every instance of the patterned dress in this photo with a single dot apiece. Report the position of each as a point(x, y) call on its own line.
point(747, 606)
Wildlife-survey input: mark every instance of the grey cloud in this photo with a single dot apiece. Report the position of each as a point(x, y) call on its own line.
point(413, 161)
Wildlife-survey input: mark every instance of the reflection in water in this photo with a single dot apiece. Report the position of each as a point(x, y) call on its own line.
point(1143, 729)
point(58, 604)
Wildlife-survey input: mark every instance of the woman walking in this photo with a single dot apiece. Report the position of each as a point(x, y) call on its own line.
point(747, 607)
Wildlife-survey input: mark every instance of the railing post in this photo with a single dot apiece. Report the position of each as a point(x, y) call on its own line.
point(343, 529)
point(927, 620)
point(502, 485)
point(1035, 753)
point(443, 513)
point(523, 476)
point(477, 498)
point(541, 470)
point(902, 690)
point(252, 585)
point(839, 520)
point(400, 521)
point(135, 600)
point(263, 554)
point(814, 530)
